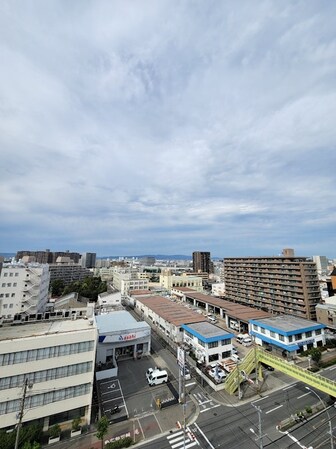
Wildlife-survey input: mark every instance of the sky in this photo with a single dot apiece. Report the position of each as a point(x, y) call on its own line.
point(167, 127)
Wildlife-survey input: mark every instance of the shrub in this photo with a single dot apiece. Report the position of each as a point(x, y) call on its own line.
point(54, 431)
point(76, 423)
point(309, 409)
point(119, 444)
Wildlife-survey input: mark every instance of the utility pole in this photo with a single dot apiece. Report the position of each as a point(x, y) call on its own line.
point(20, 415)
point(260, 437)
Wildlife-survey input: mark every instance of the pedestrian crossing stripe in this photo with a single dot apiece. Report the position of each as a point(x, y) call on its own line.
point(176, 440)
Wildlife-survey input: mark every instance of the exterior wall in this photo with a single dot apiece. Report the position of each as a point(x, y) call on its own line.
point(168, 281)
point(326, 314)
point(201, 261)
point(68, 273)
point(65, 393)
point(277, 285)
point(218, 289)
point(205, 352)
point(288, 341)
point(23, 289)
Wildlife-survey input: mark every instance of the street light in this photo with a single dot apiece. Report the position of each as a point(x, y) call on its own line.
point(325, 407)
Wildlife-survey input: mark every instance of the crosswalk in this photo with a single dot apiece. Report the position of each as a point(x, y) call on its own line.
point(179, 440)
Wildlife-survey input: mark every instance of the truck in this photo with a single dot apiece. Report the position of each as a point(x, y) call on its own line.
point(233, 324)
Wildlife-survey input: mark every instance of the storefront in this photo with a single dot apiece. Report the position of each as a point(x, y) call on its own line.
point(120, 337)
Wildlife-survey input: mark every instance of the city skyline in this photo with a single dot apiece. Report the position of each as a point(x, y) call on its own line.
point(167, 128)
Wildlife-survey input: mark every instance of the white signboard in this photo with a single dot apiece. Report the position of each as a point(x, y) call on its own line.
point(180, 357)
point(123, 337)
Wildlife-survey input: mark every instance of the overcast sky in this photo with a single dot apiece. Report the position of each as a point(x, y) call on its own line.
point(146, 127)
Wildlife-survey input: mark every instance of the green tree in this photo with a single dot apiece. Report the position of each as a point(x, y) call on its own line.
point(57, 287)
point(33, 445)
point(102, 427)
point(316, 355)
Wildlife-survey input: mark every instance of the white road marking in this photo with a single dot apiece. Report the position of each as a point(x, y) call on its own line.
point(290, 386)
point(210, 408)
point(264, 397)
point(191, 383)
point(203, 434)
point(273, 409)
point(303, 395)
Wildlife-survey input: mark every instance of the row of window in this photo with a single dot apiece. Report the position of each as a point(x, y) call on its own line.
point(9, 284)
point(39, 400)
point(10, 274)
point(214, 344)
point(45, 353)
point(45, 375)
point(291, 338)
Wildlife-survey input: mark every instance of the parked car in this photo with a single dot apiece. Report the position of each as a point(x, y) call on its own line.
point(150, 371)
point(268, 367)
point(218, 374)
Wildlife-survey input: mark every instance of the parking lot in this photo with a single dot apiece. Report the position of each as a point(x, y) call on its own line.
point(131, 392)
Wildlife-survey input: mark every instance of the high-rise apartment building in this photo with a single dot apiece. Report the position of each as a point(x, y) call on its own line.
point(201, 261)
point(47, 256)
point(88, 260)
point(23, 288)
point(276, 285)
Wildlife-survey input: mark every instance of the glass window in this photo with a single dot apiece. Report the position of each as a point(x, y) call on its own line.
point(281, 337)
point(308, 334)
point(272, 334)
point(290, 338)
point(318, 332)
point(298, 337)
point(214, 344)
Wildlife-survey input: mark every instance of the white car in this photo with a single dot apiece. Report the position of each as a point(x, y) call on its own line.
point(149, 372)
point(218, 374)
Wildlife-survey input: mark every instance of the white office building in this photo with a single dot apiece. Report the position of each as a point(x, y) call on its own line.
point(23, 289)
point(57, 357)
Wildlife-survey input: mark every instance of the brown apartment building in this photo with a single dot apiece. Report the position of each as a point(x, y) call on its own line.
point(278, 285)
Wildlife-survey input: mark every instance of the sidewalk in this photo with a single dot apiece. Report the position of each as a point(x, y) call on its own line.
point(142, 428)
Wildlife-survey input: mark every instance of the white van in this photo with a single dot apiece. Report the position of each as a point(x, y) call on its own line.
point(247, 341)
point(157, 377)
point(240, 338)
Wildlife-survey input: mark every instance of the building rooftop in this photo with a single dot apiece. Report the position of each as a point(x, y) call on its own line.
point(40, 328)
point(288, 323)
point(207, 332)
point(176, 314)
point(117, 321)
point(234, 310)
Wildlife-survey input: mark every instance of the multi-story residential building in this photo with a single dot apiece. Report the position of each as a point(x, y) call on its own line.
point(88, 260)
point(23, 288)
point(67, 271)
point(201, 261)
point(48, 256)
point(56, 358)
point(278, 285)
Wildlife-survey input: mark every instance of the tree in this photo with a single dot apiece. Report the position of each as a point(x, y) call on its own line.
point(57, 287)
point(316, 355)
point(102, 427)
point(33, 445)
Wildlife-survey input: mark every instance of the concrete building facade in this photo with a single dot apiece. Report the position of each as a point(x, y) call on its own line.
point(201, 261)
point(23, 288)
point(276, 285)
point(57, 357)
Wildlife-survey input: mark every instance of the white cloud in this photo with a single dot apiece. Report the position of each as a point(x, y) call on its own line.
point(151, 126)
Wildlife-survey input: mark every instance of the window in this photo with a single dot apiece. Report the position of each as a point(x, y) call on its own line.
point(308, 334)
point(12, 295)
point(226, 342)
point(10, 306)
point(255, 327)
point(5, 306)
point(5, 275)
point(200, 342)
point(9, 284)
point(290, 339)
point(214, 344)
point(262, 330)
point(3, 285)
point(281, 337)
point(14, 284)
point(16, 274)
point(298, 337)
point(272, 334)
point(10, 275)
point(318, 332)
